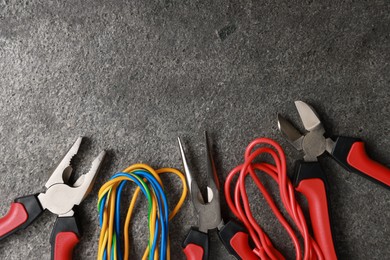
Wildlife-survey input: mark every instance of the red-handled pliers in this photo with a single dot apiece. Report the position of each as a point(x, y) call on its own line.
point(233, 236)
point(348, 151)
point(60, 198)
point(310, 180)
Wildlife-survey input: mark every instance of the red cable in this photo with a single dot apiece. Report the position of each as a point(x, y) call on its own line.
point(241, 209)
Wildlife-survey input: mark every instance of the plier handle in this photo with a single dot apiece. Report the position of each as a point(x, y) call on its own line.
point(60, 198)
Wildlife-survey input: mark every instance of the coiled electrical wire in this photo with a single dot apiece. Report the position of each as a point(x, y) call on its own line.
point(149, 183)
point(241, 208)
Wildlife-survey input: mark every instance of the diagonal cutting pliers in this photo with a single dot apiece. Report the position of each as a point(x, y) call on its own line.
point(208, 214)
point(348, 151)
point(60, 198)
point(311, 181)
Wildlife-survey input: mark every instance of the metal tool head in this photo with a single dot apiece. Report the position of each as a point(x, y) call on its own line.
point(313, 142)
point(63, 171)
point(290, 132)
point(60, 197)
point(208, 211)
point(309, 117)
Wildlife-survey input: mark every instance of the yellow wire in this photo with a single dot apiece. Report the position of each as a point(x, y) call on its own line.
point(111, 220)
point(184, 192)
point(138, 166)
point(110, 187)
point(127, 222)
point(102, 236)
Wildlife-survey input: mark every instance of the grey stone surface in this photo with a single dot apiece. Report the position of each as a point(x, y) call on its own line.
point(132, 76)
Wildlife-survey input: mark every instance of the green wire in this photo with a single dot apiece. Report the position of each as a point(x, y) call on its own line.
point(149, 197)
point(114, 243)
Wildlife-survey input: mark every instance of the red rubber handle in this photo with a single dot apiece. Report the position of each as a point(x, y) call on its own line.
point(64, 244)
point(193, 252)
point(240, 243)
point(315, 193)
point(16, 216)
point(358, 159)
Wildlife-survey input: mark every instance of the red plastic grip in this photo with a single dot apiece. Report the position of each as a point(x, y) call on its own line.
point(64, 244)
point(16, 216)
point(193, 252)
point(358, 159)
point(240, 244)
point(315, 193)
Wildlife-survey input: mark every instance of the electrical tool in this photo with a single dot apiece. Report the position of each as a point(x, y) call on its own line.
point(347, 151)
point(208, 215)
point(60, 198)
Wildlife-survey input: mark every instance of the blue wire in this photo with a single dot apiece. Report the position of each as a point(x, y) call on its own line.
point(124, 174)
point(152, 181)
point(117, 218)
point(164, 216)
point(102, 204)
point(154, 244)
point(164, 219)
point(117, 205)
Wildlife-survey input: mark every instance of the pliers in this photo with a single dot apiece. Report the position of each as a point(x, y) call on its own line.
point(348, 151)
point(60, 198)
point(208, 214)
point(310, 180)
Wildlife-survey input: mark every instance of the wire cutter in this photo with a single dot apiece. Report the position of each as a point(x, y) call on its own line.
point(233, 236)
point(348, 151)
point(60, 198)
point(310, 180)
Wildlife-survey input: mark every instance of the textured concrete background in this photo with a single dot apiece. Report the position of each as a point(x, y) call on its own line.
point(132, 76)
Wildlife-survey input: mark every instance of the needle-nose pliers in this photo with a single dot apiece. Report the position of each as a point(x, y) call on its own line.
point(60, 198)
point(208, 212)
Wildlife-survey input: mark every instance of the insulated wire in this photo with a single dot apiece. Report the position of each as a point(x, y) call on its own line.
point(150, 184)
point(240, 205)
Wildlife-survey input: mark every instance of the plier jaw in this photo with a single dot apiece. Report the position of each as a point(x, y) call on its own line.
point(313, 142)
point(60, 197)
point(63, 171)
